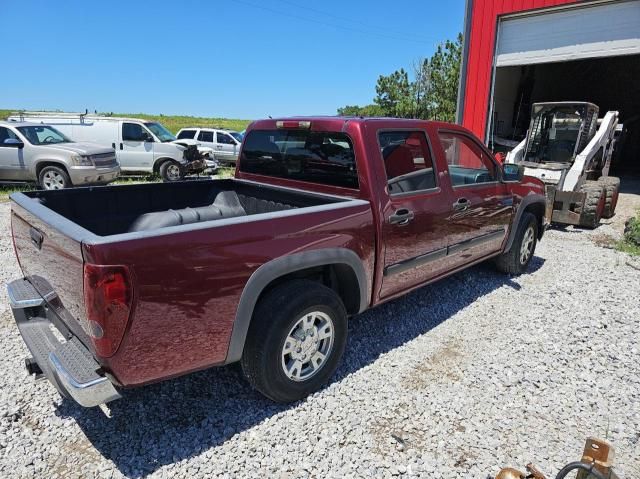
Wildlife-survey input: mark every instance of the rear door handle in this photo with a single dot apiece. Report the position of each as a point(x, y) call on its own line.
point(461, 205)
point(401, 217)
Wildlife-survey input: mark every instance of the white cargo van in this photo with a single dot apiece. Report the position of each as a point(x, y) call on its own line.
point(140, 145)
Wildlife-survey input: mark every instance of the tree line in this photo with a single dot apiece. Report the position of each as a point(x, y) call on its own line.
point(429, 90)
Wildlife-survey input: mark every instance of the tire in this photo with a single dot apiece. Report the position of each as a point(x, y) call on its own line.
point(611, 193)
point(277, 327)
point(517, 259)
point(591, 211)
point(171, 171)
point(53, 178)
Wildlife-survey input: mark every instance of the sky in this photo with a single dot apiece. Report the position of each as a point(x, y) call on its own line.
point(220, 58)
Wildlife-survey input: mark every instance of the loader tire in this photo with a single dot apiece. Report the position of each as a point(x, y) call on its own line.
point(591, 211)
point(611, 193)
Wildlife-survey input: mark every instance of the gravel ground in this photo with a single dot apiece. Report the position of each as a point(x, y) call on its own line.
point(458, 379)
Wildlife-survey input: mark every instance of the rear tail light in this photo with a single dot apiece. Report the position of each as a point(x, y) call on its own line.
point(107, 298)
point(305, 125)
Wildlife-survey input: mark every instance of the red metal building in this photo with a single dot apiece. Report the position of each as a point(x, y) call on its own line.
point(518, 52)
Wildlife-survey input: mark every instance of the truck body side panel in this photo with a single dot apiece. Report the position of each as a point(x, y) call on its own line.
point(187, 286)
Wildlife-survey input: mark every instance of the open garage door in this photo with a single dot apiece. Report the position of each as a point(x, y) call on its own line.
point(583, 53)
point(597, 30)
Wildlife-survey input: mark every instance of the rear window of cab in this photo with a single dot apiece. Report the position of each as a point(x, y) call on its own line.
point(313, 156)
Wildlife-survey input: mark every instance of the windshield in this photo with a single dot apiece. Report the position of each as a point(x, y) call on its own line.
point(43, 135)
point(160, 131)
point(237, 136)
point(554, 134)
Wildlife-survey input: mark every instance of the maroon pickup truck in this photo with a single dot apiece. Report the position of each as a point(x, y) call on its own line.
point(326, 217)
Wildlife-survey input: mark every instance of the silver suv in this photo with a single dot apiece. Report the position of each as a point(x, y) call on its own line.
point(40, 153)
point(225, 143)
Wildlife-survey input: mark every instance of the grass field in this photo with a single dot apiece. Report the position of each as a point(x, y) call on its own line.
point(174, 122)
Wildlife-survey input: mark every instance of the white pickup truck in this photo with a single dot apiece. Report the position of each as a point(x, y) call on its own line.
point(141, 146)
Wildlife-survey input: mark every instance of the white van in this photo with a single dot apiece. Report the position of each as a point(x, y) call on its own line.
point(140, 145)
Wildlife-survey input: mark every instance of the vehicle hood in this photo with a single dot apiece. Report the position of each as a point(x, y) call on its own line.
point(186, 142)
point(84, 148)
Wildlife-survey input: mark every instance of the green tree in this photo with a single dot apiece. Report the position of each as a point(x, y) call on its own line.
point(355, 110)
point(393, 94)
point(444, 76)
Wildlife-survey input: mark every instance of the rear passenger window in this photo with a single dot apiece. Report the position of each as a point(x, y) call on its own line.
point(206, 136)
point(407, 161)
point(186, 134)
point(225, 139)
point(468, 162)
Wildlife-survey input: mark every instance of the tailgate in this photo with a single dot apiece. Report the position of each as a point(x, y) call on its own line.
point(52, 261)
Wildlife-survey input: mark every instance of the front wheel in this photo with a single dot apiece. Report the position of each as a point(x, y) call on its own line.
point(171, 171)
point(517, 259)
point(297, 336)
point(53, 178)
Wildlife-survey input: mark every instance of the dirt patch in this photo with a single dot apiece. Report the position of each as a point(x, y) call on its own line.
point(444, 364)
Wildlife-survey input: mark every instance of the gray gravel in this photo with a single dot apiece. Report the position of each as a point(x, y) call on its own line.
point(458, 379)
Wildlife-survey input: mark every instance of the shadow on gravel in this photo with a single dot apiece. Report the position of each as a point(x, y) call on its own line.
point(175, 420)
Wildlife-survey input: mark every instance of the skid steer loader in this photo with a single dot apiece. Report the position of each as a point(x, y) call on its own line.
point(569, 149)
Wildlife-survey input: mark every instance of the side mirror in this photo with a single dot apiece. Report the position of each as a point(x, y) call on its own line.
point(512, 172)
point(147, 138)
point(13, 143)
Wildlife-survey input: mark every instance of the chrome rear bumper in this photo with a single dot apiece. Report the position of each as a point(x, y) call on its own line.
point(66, 363)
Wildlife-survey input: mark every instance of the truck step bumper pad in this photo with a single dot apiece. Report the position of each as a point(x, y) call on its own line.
point(68, 365)
point(22, 295)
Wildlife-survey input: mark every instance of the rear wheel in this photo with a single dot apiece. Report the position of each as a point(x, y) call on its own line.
point(296, 339)
point(611, 192)
point(517, 259)
point(171, 171)
point(53, 178)
point(593, 208)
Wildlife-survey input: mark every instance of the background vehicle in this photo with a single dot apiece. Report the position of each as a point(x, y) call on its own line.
point(225, 143)
point(326, 217)
point(141, 146)
point(40, 153)
point(570, 150)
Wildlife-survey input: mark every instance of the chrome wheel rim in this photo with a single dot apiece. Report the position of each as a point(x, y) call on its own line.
point(307, 346)
point(52, 180)
point(173, 172)
point(526, 249)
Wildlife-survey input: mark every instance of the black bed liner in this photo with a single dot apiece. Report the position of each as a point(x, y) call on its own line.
point(111, 210)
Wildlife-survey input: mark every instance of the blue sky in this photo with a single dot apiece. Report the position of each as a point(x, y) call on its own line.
point(226, 58)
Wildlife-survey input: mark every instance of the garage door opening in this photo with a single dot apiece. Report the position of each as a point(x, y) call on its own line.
point(610, 83)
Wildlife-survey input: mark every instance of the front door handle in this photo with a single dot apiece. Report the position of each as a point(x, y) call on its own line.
point(461, 205)
point(401, 217)
point(121, 147)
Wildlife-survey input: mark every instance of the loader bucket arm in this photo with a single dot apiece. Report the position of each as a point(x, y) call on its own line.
point(584, 162)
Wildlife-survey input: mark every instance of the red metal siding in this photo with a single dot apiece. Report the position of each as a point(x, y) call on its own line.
point(479, 63)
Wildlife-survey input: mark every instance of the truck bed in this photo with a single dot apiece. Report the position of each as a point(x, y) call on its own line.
point(188, 277)
point(113, 210)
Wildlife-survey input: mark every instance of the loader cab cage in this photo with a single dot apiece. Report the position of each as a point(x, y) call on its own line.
point(559, 131)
